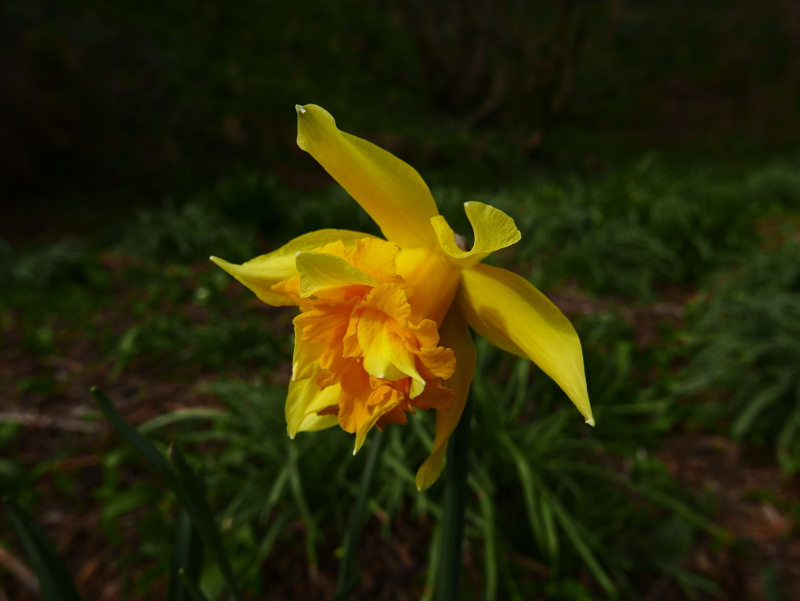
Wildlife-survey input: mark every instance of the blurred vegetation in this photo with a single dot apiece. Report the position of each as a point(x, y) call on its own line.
point(629, 233)
point(646, 151)
point(153, 96)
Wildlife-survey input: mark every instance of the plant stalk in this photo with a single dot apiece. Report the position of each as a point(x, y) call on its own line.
point(455, 502)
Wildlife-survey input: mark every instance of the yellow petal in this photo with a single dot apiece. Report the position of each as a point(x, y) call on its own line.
point(324, 399)
point(303, 394)
point(261, 273)
point(455, 335)
point(511, 313)
point(391, 191)
point(493, 230)
point(320, 272)
point(390, 399)
point(391, 300)
point(376, 258)
point(313, 422)
point(306, 355)
point(432, 281)
point(385, 353)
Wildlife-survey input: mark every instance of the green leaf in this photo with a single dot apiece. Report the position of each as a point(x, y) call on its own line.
point(571, 528)
point(195, 594)
point(189, 491)
point(202, 517)
point(55, 581)
point(187, 558)
point(302, 506)
point(345, 582)
point(482, 486)
point(129, 433)
point(180, 416)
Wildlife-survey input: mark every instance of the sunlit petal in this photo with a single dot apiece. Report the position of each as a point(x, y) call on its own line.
point(511, 313)
point(302, 403)
point(261, 273)
point(455, 335)
point(320, 272)
point(391, 191)
point(493, 230)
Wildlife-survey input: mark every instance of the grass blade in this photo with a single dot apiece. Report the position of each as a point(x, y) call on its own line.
point(187, 558)
point(55, 581)
point(195, 594)
point(570, 528)
point(302, 506)
point(481, 485)
point(353, 534)
point(129, 433)
point(180, 478)
point(203, 518)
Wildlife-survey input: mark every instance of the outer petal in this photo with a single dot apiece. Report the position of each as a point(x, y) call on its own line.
point(455, 335)
point(313, 422)
point(391, 191)
point(302, 403)
point(261, 273)
point(320, 272)
point(511, 313)
point(493, 230)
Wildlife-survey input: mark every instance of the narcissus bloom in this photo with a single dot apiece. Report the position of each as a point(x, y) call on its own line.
point(383, 328)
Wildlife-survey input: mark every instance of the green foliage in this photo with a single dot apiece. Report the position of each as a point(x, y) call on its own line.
point(54, 578)
point(46, 267)
point(542, 465)
point(543, 486)
point(186, 234)
point(188, 488)
point(746, 333)
point(633, 229)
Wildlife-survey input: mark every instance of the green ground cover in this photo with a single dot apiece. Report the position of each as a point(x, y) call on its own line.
point(556, 509)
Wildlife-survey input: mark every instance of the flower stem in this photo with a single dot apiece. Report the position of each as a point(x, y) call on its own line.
point(350, 544)
point(455, 501)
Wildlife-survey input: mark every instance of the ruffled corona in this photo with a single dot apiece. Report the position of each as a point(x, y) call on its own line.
point(359, 354)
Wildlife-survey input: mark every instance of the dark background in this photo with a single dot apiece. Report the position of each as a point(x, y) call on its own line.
point(105, 103)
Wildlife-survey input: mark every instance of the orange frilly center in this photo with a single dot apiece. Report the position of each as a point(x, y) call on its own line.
point(370, 356)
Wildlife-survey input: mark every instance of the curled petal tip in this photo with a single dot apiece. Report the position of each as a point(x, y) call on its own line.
point(590, 421)
point(299, 109)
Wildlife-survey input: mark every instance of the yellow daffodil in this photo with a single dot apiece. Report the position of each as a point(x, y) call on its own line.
point(383, 324)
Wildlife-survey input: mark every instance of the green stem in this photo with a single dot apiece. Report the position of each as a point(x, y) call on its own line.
point(353, 534)
point(455, 501)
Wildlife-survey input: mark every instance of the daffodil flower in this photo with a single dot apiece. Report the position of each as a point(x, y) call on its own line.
point(383, 328)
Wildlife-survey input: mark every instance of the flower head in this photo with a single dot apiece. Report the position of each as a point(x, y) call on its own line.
point(383, 328)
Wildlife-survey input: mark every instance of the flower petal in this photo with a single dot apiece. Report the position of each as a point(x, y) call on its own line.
point(313, 422)
point(455, 335)
point(493, 230)
point(391, 191)
point(511, 313)
point(320, 272)
point(386, 355)
point(302, 402)
point(261, 273)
